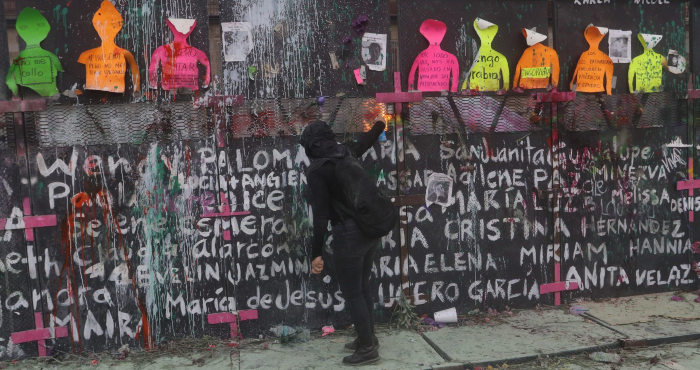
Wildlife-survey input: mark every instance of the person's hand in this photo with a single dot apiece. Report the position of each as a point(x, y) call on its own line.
point(317, 265)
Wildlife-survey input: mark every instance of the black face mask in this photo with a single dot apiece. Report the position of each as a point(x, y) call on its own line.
point(319, 141)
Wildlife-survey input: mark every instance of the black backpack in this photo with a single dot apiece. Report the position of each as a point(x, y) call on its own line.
point(374, 212)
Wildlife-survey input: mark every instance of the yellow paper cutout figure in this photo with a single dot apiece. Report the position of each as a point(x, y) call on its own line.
point(34, 67)
point(490, 66)
point(594, 65)
point(539, 65)
point(106, 66)
point(647, 68)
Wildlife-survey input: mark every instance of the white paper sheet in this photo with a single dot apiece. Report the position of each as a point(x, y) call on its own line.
point(237, 39)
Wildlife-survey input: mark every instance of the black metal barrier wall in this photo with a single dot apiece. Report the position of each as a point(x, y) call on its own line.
point(130, 219)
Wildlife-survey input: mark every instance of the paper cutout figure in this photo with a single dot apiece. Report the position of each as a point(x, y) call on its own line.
point(433, 64)
point(594, 65)
point(374, 51)
point(105, 66)
point(647, 69)
point(620, 46)
point(179, 59)
point(489, 65)
point(539, 65)
point(34, 67)
point(238, 40)
point(676, 62)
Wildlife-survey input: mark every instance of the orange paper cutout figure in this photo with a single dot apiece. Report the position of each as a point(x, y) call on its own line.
point(433, 64)
point(539, 65)
point(106, 66)
point(594, 65)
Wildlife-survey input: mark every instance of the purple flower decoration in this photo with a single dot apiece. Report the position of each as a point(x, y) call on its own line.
point(347, 40)
point(360, 24)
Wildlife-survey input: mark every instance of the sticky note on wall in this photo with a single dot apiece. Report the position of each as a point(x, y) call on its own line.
point(359, 78)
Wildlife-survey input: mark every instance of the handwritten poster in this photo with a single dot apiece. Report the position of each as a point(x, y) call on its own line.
point(647, 69)
point(179, 60)
point(105, 66)
point(237, 39)
point(34, 67)
point(594, 71)
point(538, 68)
point(434, 65)
point(374, 51)
point(490, 67)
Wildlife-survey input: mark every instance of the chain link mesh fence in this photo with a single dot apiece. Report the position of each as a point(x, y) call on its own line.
point(118, 124)
point(478, 114)
point(7, 132)
point(596, 111)
point(147, 122)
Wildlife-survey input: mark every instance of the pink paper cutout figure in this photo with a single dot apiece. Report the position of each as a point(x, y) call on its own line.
point(433, 64)
point(179, 60)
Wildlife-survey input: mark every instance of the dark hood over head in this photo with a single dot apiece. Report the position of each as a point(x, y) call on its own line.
point(318, 140)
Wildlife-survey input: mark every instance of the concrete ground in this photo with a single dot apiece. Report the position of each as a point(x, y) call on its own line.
point(647, 332)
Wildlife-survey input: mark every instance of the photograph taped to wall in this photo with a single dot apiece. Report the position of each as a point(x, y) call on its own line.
point(237, 39)
point(676, 62)
point(439, 190)
point(620, 43)
point(374, 51)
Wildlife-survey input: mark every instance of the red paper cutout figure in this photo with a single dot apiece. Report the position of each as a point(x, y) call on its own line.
point(433, 64)
point(179, 60)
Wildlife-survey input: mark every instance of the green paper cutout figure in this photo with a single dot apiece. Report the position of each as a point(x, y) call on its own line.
point(490, 66)
point(34, 67)
point(648, 67)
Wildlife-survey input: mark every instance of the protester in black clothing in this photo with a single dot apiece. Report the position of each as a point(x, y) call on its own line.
point(353, 252)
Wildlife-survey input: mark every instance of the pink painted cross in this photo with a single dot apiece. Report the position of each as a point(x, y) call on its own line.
point(21, 220)
point(558, 286)
point(399, 97)
point(232, 319)
point(225, 211)
point(40, 334)
point(689, 185)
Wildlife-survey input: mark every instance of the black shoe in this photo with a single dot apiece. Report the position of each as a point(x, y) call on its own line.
point(363, 356)
point(354, 345)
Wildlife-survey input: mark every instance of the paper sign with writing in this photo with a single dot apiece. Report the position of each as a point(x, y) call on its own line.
point(647, 69)
point(594, 71)
point(34, 67)
point(490, 67)
point(434, 65)
point(539, 65)
point(105, 66)
point(179, 60)
point(237, 39)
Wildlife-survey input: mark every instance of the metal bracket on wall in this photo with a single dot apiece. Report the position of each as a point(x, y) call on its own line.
point(19, 106)
point(218, 104)
point(556, 97)
point(399, 97)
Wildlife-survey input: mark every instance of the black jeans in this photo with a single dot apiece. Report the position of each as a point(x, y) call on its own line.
point(353, 256)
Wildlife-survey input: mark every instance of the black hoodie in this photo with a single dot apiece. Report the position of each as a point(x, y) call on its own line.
point(318, 142)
